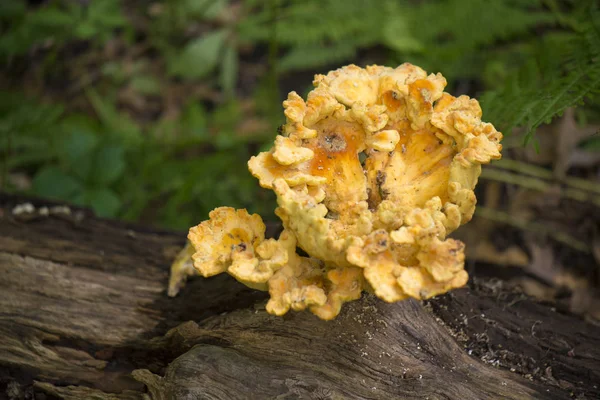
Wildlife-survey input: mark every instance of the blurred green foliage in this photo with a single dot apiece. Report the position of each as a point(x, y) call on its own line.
point(150, 110)
point(60, 22)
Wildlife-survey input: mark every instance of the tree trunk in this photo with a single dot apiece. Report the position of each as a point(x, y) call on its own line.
point(84, 314)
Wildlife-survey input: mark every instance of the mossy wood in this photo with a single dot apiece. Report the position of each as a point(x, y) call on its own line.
point(84, 314)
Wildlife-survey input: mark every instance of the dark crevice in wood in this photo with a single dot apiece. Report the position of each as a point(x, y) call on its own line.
point(508, 329)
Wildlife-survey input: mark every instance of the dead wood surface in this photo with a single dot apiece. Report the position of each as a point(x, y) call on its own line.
point(84, 314)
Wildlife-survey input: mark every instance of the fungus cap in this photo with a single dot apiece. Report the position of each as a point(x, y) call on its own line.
point(371, 173)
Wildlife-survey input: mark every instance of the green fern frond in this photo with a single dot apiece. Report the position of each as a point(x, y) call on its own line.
point(314, 56)
point(315, 33)
point(310, 22)
point(460, 36)
point(471, 23)
point(551, 82)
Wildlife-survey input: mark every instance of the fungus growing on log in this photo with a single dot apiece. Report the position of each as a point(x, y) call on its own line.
point(372, 173)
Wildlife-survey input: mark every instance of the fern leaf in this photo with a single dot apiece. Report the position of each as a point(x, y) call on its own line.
point(317, 33)
point(532, 97)
point(314, 56)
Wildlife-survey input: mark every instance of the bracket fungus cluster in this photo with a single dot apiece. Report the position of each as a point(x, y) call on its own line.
point(371, 172)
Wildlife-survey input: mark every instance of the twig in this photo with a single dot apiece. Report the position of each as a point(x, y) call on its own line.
point(505, 218)
point(540, 185)
point(543, 173)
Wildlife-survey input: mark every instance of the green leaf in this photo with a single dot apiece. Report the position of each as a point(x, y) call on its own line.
point(12, 9)
point(207, 9)
point(105, 202)
point(77, 145)
point(195, 120)
point(76, 151)
point(560, 72)
point(100, 18)
point(145, 84)
point(109, 164)
point(397, 36)
point(84, 30)
point(199, 57)
point(54, 183)
point(114, 70)
point(28, 158)
point(311, 56)
point(106, 13)
point(51, 17)
point(229, 70)
point(227, 116)
point(116, 122)
point(79, 122)
point(535, 97)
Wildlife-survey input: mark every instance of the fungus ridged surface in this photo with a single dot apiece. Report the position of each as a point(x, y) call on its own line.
point(371, 172)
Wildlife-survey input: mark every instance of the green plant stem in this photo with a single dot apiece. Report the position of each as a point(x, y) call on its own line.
point(273, 52)
point(506, 218)
point(535, 183)
point(543, 173)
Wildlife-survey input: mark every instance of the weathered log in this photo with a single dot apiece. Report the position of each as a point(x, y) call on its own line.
point(84, 314)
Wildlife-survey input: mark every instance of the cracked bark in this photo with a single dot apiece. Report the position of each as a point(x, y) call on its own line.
point(83, 313)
